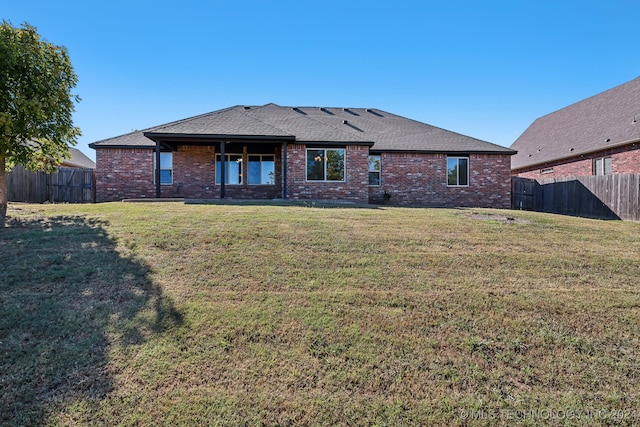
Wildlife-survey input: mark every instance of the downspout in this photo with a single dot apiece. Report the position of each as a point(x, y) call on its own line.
point(157, 171)
point(284, 171)
point(223, 166)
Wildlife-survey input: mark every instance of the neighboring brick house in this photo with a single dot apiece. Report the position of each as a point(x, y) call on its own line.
point(597, 136)
point(305, 153)
point(78, 160)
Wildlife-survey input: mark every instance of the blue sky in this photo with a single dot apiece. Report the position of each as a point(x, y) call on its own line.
point(486, 69)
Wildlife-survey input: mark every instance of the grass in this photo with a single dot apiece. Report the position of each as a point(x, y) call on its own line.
point(171, 314)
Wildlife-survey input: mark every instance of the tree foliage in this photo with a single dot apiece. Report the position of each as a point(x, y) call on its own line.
point(36, 103)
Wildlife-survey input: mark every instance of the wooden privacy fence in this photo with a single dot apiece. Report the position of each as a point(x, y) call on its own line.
point(604, 197)
point(67, 185)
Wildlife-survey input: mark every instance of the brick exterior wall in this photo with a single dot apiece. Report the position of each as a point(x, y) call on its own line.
point(410, 179)
point(416, 179)
point(624, 160)
point(354, 188)
point(125, 173)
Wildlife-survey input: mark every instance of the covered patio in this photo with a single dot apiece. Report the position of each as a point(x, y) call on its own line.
point(243, 166)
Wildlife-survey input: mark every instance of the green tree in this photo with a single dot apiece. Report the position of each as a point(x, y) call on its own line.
point(36, 103)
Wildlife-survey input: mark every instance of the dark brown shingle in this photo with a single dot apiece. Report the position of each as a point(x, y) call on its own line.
point(606, 120)
point(385, 131)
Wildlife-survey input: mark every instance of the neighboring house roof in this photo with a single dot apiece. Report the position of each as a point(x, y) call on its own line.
point(606, 120)
point(379, 129)
point(78, 160)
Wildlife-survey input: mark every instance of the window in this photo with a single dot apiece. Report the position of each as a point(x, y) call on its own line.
point(457, 171)
point(166, 168)
point(325, 164)
point(374, 170)
point(262, 170)
point(233, 169)
point(602, 166)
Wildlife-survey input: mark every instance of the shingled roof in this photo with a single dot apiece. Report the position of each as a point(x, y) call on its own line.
point(379, 129)
point(606, 120)
point(78, 160)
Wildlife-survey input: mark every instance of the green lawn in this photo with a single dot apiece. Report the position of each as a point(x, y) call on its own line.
point(172, 314)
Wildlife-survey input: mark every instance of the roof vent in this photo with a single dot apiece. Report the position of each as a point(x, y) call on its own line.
point(608, 140)
point(351, 125)
point(297, 110)
point(324, 110)
point(247, 108)
point(375, 113)
point(346, 110)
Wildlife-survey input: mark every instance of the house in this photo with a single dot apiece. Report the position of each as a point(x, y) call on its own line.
point(597, 136)
point(78, 160)
point(360, 155)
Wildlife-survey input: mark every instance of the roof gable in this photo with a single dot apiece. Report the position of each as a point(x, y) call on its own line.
point(602, 121)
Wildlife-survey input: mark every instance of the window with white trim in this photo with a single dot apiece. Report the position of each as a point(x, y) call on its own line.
point(166, 168)
point(261, 169)
point(374, 170)
point(325, 164)
point(457, 171)
point(602, 166)
point(233, 169)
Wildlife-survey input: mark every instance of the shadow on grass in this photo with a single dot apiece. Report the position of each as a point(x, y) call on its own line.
point(66, 296)
point(280, 202)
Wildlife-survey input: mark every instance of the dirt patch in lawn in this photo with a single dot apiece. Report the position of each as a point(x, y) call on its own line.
point(507, 219)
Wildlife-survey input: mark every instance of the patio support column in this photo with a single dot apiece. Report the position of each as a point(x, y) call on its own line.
point(223, 172)
point(284, 171)
point(157, 171)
